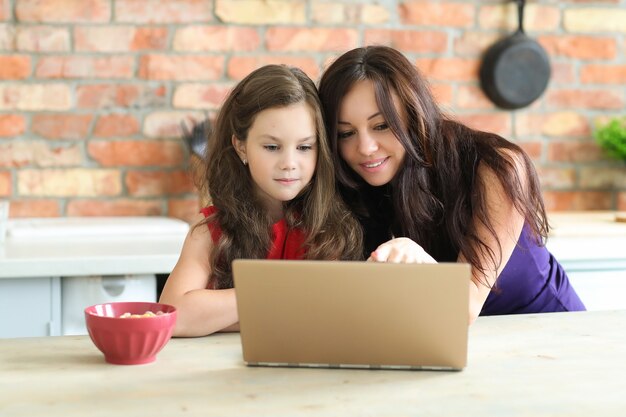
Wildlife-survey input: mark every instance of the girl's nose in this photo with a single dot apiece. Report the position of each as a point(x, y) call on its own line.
point(288, 161)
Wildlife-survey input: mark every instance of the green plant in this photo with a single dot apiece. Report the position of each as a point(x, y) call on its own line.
point(612, 137)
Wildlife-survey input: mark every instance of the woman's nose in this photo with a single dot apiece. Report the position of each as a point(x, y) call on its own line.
point(367, 145)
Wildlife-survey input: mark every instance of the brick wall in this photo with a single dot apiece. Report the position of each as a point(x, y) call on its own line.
point(92, 92)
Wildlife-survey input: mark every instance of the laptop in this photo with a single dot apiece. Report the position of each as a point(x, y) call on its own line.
point(345, 314)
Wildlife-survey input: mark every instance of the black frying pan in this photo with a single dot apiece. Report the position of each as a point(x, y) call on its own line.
point(515, 70)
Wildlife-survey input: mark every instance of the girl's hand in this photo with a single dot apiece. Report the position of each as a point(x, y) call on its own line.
point(401, 250)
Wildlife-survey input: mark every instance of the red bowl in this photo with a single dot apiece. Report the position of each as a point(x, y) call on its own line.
point(130, 341)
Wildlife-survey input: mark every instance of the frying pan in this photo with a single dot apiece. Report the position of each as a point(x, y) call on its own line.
point(516, 69)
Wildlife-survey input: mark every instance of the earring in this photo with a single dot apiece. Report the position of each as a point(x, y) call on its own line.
point(245, 161)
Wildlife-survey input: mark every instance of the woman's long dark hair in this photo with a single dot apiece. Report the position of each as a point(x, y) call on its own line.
point(331, 230)
point(436, 197)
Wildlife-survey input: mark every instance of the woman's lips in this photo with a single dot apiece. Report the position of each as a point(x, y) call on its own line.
point(374, 165)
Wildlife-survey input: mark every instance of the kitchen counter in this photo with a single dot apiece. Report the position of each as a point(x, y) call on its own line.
point(91, 246)
point(558, 364)
point(581, 240)
point(591, 246)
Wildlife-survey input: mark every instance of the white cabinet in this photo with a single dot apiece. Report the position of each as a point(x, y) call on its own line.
point(30, 307)
point(591, 246)
point(50, 267)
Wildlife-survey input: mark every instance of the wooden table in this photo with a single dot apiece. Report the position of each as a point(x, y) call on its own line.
point(560, 364)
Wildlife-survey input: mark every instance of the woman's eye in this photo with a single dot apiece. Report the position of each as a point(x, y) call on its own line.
point(345, 135)
point(271, 148)
point(382, 126)
point(305, 147)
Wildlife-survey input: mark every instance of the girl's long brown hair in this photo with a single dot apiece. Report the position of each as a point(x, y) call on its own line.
point(331, 230)
point(436, 197)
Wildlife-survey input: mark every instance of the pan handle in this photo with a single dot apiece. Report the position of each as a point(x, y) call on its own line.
point(520, 15)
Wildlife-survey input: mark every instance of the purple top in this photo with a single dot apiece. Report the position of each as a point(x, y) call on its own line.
point(532, 282)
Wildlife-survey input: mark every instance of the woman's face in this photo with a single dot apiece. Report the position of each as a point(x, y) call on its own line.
point(365, 140)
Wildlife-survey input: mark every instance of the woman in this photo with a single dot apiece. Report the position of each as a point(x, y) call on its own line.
point(429, 189)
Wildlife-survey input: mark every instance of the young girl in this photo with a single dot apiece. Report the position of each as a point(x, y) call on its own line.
point(427, 188)
point(271, 181)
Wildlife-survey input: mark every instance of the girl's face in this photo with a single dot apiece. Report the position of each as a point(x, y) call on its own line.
point(281, 152)
point(365, 141)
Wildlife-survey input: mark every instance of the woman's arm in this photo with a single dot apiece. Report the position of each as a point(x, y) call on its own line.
point(200, 311)
point(507, 223)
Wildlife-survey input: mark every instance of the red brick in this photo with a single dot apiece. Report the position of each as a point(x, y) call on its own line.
point(68, 11)
point(136, 153)
point(240, 66)
point(472, 97)
point(574, 151)
point(553, 177)
point(103, 96)
point(603, 74)
point(504, 16)
point(283, 39)
point(163, 11)
point(166, 124)
point(42, 39)
point(158, 183)
point(577, 200)
point(621, 201)
point(35, 208)
point(602, 177)
point(121, 207)
point(185, 209)
point(119, 38)
point(38, 153)
point(14, 67)
point(6, 181)
point(5, 9)
point(559, 124)
point(474, 43)
point(69, 182)
point(216, 38)
point(35, 97)
point(428, 13)
point(585, 99)
point(499, 123)
point(442, 92)
point(562, 73)
point(61, 126)
point(409, 40)
point(449, 69)
point(85, 67)
point(11, 125)
point(533, 149)
point(200, 96)
point(177, 67)
point(116, 125)
point(579, 47)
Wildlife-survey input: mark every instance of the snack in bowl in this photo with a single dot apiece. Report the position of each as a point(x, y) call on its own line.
point(125, 341)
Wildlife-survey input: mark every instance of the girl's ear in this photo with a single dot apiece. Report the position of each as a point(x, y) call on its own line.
point(240, 147)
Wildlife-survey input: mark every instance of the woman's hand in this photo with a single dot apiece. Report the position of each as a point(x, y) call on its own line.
point(401, 250)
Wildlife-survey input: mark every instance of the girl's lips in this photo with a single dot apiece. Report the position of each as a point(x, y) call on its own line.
point(286, 181)
point(374, 165)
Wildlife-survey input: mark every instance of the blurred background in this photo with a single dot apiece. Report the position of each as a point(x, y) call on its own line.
point(93, 92)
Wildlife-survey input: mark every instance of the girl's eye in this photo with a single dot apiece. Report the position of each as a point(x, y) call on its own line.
point(345, 135)
point(382, 126)
point(305, 148)
point(271, 148)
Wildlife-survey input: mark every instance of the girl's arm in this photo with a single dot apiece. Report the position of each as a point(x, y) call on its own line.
point(200, 311)
point(507, 223)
